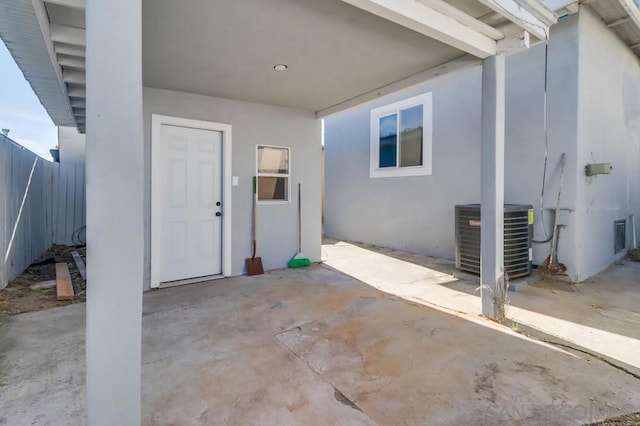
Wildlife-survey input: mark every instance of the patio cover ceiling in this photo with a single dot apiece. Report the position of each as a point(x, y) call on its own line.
point(334, 51)
point(623, 17)
point(338, 53)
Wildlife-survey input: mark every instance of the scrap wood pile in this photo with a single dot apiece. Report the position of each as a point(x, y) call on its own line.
point(56, 278)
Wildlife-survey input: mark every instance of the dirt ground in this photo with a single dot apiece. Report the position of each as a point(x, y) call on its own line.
point(628, 420)
point(20, 297)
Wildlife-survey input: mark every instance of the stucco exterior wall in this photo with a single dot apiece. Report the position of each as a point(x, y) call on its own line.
point(252, 124)
point(525, 143)
point(416, 214)
point(72, 145)
point(408, 213)
point(608, 132)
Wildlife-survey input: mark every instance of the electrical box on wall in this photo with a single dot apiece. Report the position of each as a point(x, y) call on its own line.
point(598, 169)
point(562, 217)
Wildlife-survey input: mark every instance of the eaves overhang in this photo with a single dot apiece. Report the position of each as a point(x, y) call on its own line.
point(47, 39)
point(622, 17)
point(30, 37)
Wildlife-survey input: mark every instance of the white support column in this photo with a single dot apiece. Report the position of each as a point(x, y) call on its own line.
point(492, 181)
point(114, 211)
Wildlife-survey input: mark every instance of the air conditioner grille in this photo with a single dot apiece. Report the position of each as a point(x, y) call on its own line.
point(518, 231)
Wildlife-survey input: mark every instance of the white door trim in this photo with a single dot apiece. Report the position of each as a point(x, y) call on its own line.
point(156, 122)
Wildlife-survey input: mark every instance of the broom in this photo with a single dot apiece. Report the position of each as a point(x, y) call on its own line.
point(299, 260)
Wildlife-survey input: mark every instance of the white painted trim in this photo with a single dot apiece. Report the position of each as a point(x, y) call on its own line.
point(69, 50)
point(195, 280)
point(540, 10)
point(570, 9)
point(77, 92)
point(464, 18)
point(68, 35)
point(156, 122)
point(76, 77)
point(72, 61)
point(426, 100)
point(516, 13)
point(431, 23)
point(76, 4)
point(514, 43)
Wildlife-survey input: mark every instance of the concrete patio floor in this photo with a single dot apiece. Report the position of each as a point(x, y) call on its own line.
point(600, 315)
point(318, 346)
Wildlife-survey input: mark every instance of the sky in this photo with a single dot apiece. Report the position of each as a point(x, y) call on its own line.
point(21, 111)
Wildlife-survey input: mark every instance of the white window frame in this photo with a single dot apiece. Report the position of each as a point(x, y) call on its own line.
point(287, 175)
point(426, 100)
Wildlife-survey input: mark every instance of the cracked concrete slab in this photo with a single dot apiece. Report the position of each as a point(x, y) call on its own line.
point(403, 366)
point(311, 346)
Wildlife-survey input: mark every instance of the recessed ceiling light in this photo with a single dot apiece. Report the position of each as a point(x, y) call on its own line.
point(280, 67)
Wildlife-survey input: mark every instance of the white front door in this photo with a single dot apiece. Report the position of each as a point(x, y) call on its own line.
point(190, 205)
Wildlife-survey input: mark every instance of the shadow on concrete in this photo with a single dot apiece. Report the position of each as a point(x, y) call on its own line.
point(314, 346)
point(574, 318)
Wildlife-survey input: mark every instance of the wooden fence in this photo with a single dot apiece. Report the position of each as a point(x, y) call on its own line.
point(41, 204)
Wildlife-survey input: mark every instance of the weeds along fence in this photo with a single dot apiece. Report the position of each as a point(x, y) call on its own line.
point(41, 203)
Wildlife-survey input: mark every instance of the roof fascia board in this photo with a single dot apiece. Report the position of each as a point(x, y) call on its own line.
point(519, 15)
point(540, 10)
point(43, 22)
point(463, 18)
point(431, 23)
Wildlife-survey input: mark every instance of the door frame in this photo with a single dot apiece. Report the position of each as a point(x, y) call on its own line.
point(157, 121)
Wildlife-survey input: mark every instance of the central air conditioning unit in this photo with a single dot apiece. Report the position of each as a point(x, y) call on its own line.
point(518, 232)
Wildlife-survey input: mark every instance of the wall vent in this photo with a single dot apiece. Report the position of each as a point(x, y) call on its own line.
point(619, 235)
point(518, 232)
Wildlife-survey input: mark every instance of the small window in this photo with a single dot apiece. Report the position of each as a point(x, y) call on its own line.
point(401, 138)
point(273, 174)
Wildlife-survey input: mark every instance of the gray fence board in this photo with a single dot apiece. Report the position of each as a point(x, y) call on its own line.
point(79, 201)
point(53, 208)
point(5, 176)
point(61, 204)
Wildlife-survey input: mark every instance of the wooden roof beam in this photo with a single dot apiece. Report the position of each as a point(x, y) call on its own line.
point(530, 15)
point(432, 23)
point(69, 35)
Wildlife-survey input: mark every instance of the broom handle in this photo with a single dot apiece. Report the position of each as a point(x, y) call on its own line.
point(253, 214)
point(299, 217)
